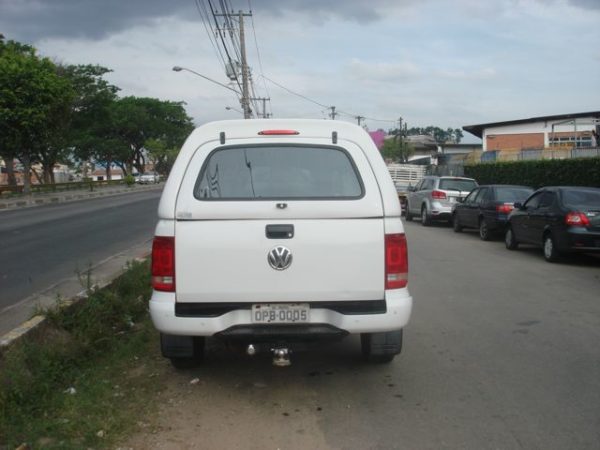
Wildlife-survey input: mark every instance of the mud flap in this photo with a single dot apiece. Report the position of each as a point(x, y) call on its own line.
point(382, 344)
point(177, 346)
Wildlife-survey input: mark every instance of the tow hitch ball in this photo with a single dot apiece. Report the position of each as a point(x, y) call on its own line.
point(281, 355)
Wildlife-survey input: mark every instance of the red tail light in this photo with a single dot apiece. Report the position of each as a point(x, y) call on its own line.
point(577, 219)
point(440, 195)
point(278, 132)
point(505, 209)
point(396, 261)
point(163, 263)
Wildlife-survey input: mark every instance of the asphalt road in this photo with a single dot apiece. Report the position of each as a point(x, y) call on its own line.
point(502, 353)
point(42, 245)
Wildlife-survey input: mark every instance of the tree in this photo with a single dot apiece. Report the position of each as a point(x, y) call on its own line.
point(136, 120)
point(161, 156)
point(91, 133)
point(397, 149)
point(441, 136)
point(32, 99)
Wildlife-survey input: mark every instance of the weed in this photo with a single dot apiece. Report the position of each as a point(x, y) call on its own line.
point(65, 383)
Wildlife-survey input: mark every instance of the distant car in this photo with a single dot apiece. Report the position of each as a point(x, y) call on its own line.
point(148, 178)
point(558, 219)
point(433, 197)
point(487, 208)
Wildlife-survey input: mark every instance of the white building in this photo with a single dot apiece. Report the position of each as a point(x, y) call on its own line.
point(579, 130)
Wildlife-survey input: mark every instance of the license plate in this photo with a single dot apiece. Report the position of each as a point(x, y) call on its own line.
point(280, 313)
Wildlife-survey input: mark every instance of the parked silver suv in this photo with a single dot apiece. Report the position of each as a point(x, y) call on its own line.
point(433, 197)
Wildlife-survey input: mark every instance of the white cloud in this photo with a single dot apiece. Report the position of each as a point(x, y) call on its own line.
point(382, 71)
point(480, 74)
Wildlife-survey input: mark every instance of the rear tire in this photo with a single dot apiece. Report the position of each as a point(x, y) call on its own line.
point(456, 224)
point(381, 347)
point(484, 231)
point(551, 254)
point(425, 218)
point(408, 216)
point(185, 352)
point(509, 239)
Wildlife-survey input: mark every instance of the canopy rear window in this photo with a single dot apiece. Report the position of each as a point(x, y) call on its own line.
point(278, 172)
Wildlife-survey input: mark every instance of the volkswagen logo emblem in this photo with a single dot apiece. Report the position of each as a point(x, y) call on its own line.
point(280, 258)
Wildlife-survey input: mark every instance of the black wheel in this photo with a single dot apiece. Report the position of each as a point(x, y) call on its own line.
point(510, 240)
point(456, 224)
point(551, 253)
point(408, 216)
point(184, 352)
point(425, 218)
point(484, 231)
point(381, 347)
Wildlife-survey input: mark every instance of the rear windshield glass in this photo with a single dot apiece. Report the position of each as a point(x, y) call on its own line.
point(278, 172)
point(583, 200)
point(457, 185)
point(512, 195)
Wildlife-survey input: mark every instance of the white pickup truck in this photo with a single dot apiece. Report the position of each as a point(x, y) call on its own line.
point(273, 233)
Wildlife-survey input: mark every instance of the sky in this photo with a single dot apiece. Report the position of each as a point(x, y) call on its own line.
point(446, 63)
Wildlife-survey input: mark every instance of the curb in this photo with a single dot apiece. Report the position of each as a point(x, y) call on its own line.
point(72, 196)
point(17, 333)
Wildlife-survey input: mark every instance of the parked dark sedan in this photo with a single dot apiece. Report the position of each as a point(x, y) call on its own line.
point(487, 208)
point(559, 219)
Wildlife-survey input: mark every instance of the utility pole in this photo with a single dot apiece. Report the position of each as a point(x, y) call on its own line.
point(332, 114)
point(245, 100)
point(359, 119)
point(264, 101)
point(245, 96)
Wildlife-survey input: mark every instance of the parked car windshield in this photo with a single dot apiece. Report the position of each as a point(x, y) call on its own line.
point(582, 199)
point(276, 172)
point(457, 185)
point(512, 195)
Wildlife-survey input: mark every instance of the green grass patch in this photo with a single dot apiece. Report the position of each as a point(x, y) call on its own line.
point(84, 377)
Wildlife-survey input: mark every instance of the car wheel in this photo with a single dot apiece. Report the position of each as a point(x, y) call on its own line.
point(381, 347)
point(425, 218)
point(509, 239)
point(484, 231)
point(551, 253)
point(184, 352)
point(408, 216)
point(456, 224)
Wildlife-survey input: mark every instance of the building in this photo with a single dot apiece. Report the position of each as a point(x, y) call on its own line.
point(579, 130)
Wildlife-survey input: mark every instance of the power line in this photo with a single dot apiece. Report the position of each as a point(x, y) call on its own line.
point(295, 93)
point(260, 65)
point(224, 45)
point(333, 110)
point(211, 37)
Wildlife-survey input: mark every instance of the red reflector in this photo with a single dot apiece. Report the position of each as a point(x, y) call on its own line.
point(439, 195)
point(163, 263)
point(278, 132)
point(505, 209)
point(577, 219)
point(396, 261)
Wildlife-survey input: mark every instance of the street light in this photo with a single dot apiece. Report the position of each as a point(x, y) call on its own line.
point(229, 108)
point(179, 69)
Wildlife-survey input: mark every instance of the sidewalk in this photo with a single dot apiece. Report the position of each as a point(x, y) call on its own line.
point(25, 201)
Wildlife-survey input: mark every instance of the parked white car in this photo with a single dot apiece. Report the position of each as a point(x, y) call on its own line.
point(148, 178)
point(277, 232)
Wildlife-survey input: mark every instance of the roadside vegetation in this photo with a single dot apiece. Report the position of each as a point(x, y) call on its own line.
point(83, 378)
point(72, 115)
point(545, 172)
